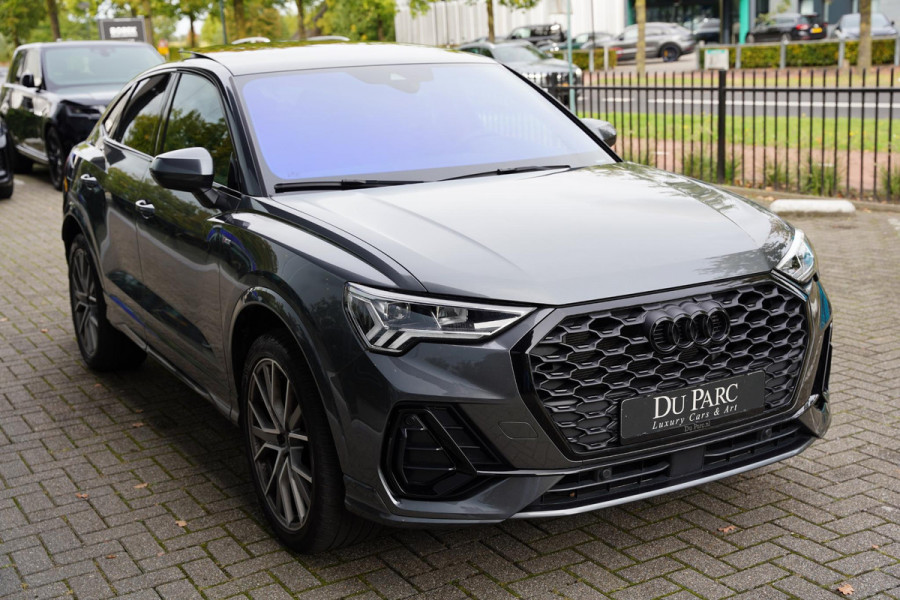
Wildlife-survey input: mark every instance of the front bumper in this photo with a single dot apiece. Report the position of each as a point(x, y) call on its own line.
point(536, 475)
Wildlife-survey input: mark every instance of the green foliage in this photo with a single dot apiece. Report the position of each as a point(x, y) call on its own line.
point(18, 18)
point(890, 183)
point(704, 167)
point(364, 20)
point(262, 16)
point(777, 175)
point(819, 179)
point(814, 54)
point(582, 59)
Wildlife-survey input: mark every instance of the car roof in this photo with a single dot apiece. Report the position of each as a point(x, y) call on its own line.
point(294, 56)
point(77, 43)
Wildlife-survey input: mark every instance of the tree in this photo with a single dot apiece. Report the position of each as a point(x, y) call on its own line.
point(640, 10)
point(18, 18)
point(193, 10)
point(53, 14)
point(864, 58)
point(301, 26)
point(240, 20)
point(359, 19)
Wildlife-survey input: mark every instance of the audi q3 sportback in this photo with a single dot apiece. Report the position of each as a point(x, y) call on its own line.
point(429, 294)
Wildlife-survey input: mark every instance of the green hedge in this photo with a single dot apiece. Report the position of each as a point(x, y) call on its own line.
point(581, 58)
point(814, 54)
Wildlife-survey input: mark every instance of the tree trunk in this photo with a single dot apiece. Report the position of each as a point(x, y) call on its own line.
point(239, 21)
point(148, 21)
point(490, 10)
point(53, 12)
point(864, 58)
point(193, 34)
point(640, 14)
point(301, 26)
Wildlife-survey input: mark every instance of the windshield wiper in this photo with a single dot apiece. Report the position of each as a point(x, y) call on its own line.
point(339, 184)
point(510, 171)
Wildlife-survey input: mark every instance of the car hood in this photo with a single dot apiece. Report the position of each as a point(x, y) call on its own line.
point(559, 238)
point(549, 65)
point(89, 95)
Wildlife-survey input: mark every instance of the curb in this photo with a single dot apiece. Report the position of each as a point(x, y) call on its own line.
point(787, 206)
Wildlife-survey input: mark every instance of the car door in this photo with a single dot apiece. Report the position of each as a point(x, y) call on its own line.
point(654, 35)
point(117, 176)
point(17, 103)
point(180, 241)
point(35, 106)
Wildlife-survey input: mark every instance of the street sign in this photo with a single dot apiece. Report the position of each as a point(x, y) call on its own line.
point(716, 59)
point(125, 30)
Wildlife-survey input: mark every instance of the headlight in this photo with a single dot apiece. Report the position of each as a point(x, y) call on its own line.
point(799, 263)
point(391, 322)
point(82, 110)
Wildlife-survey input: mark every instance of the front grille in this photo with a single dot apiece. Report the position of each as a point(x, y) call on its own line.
point(587, 364)
point(626, 479)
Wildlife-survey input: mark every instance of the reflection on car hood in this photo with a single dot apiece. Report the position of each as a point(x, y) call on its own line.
point(559, 238)
point(89, 95)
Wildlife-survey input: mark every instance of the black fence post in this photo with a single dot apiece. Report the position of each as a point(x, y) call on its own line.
point(720, 142)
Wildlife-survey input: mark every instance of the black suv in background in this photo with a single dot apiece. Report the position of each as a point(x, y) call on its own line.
point(55, 93)
point(538, 34)
point(788, 27)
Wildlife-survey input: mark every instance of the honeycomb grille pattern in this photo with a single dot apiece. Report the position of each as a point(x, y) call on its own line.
point(589, 363)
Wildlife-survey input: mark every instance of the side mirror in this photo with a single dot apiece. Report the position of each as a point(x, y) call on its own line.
point(185, 170)
point(602, 129)
point(28, 80)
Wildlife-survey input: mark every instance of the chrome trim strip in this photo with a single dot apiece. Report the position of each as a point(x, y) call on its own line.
point(565, 512)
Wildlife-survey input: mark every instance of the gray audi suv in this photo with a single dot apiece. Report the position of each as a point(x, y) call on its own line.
point(428, 294)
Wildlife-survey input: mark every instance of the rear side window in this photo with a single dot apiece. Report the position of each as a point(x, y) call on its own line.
point(197, 119)
point(140, 120)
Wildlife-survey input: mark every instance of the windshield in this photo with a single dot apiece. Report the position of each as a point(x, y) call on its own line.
point(97, 64)
point(514, 54)
point(408, 122)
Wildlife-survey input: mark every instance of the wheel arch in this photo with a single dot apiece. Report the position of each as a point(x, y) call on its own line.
point(260, 310)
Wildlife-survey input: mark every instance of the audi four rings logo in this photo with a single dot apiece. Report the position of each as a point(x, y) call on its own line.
point(682, 327)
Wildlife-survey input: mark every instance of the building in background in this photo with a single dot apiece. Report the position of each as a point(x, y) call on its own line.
point(453, 22)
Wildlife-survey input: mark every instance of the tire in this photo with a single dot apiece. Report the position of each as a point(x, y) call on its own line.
point(293, 463)
point(103, 347)
point(56, 158)
point(6, 189)
point(670, 53)
point(19, 163)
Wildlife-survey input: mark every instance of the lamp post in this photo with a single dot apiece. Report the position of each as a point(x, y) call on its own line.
point(224, 28)
point(569, 53)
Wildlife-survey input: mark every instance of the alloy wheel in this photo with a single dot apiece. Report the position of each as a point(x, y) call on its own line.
point(85, 301)
point(279, 441)
point(54, 159)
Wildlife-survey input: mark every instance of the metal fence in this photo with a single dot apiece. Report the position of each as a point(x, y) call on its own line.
point(826, 132)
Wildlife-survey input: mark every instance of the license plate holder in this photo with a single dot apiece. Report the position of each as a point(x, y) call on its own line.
point(692, 408)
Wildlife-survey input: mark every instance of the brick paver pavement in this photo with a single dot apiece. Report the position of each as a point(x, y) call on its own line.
point(97, 470)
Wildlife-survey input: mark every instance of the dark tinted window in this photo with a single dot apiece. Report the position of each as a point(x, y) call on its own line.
point(112, 117)
point(140, 121)
point(198, 119)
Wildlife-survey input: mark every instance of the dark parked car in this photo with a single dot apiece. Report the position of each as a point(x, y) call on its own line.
point(705, 30)
point(431, 296)
point(6, 173)
point(55, 93)
point(582, 41)
point(847, 27)
point(787, 27)
point(536, 34)
point(663, 40)
point(523, 57)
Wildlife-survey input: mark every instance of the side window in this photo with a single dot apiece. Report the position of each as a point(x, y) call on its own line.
point(630, 34)
point(15, 69)
point(112, 117)
point(140, 120)
point(197, 119)
point(33, 65)
point(486, 52)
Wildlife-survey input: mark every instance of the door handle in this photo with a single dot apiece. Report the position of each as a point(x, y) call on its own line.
point(88, 180)
point(145, 208)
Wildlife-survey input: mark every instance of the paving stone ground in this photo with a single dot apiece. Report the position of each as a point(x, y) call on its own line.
point(90, 499)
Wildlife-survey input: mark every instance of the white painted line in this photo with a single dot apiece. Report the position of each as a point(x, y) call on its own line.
point(831, 207)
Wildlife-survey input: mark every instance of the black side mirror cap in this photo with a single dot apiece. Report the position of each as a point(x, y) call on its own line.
point(185, 170)
point(602, 129)
point(28, 80)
